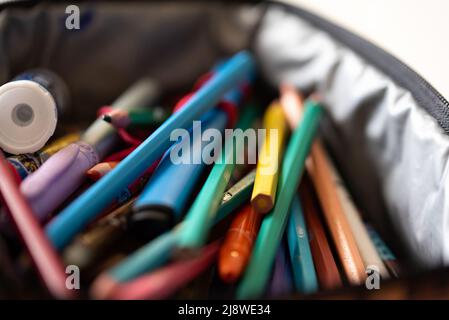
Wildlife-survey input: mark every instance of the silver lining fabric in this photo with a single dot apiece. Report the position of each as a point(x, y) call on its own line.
point(393, 154)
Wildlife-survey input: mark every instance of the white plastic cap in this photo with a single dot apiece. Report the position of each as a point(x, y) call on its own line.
point(28, 116)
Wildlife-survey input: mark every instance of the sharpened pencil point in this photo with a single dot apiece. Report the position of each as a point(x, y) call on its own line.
point(107, 118)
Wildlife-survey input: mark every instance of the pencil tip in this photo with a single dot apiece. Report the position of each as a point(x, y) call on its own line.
point(107, 118)
point(262, 203)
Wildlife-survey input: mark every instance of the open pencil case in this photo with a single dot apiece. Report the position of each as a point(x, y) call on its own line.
point(385, 126)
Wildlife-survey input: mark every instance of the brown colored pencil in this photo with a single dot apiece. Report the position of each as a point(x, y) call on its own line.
point(326, 269)
point(339, 228)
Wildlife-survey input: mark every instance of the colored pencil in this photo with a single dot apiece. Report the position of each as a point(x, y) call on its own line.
point(304, 275)
point(65, 171)
point(237, 246)
point(387, 256)
point(143, 117)
point(270, 157)
point(40, 249)
point(201, 215)
point(164, 282)
point(100, 170)
point(157, 210)
point(366, 246)
point(85, 208)
point(290, 99)
point(337, 222)
point(94, 244)
point(324, 262)
point(335, 217)
point(236, 195)
point(158, 251)
point(273, 226)
point(281, 283)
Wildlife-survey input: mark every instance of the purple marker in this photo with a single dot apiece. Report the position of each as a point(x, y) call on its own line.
point(48, 187)
point(67, 170)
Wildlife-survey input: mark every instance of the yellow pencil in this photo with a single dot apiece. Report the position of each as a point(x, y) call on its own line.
point(265, 184)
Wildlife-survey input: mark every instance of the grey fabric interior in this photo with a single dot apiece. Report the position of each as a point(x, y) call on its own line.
point(392, 154)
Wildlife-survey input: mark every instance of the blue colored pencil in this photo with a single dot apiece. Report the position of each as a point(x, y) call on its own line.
point(300, 254)
point(163, 201)
point(155, 253)
point(90, 204)
point(165, 197)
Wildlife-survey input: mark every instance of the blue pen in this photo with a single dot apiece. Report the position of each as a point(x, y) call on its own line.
point(90, 204)
point(164, 199)
point(300, 254)
point(155, 253)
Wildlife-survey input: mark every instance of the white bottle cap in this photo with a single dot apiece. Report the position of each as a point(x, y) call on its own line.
point(28, 116)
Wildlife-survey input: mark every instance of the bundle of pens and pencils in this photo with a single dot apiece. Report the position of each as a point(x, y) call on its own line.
point(198, 202)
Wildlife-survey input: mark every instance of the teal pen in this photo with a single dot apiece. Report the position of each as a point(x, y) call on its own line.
point(273, 226)
point(300, 254)
point(201, 215)
point(89, 205)
point(159, 250)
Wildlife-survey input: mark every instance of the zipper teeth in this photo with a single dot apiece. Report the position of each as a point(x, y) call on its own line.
point(426, 83)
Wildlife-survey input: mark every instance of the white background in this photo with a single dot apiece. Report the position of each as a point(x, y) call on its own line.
point(415, 31)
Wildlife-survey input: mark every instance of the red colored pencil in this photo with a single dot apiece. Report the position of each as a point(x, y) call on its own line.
point(44, 256)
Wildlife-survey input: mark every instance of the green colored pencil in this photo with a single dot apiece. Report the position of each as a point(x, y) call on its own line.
point(199, 219)
point(273, 226)
point(138, 117)
point(155, 253)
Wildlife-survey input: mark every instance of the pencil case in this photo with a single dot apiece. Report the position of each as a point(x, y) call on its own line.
point(385, 126)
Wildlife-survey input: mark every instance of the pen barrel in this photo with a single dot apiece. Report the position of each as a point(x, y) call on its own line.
point(157, 252)
point(148, 117)
point(273, 226)
point(80, 212)
point(165, 197)
point(101, 135)
point(204, 210)
point(58, 178)
point(236, 249)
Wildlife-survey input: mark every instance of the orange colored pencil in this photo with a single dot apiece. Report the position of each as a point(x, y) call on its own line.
point(335, 217)
point(325, 266)
point(236, 249)
point(100, 170)
point(319, 169)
